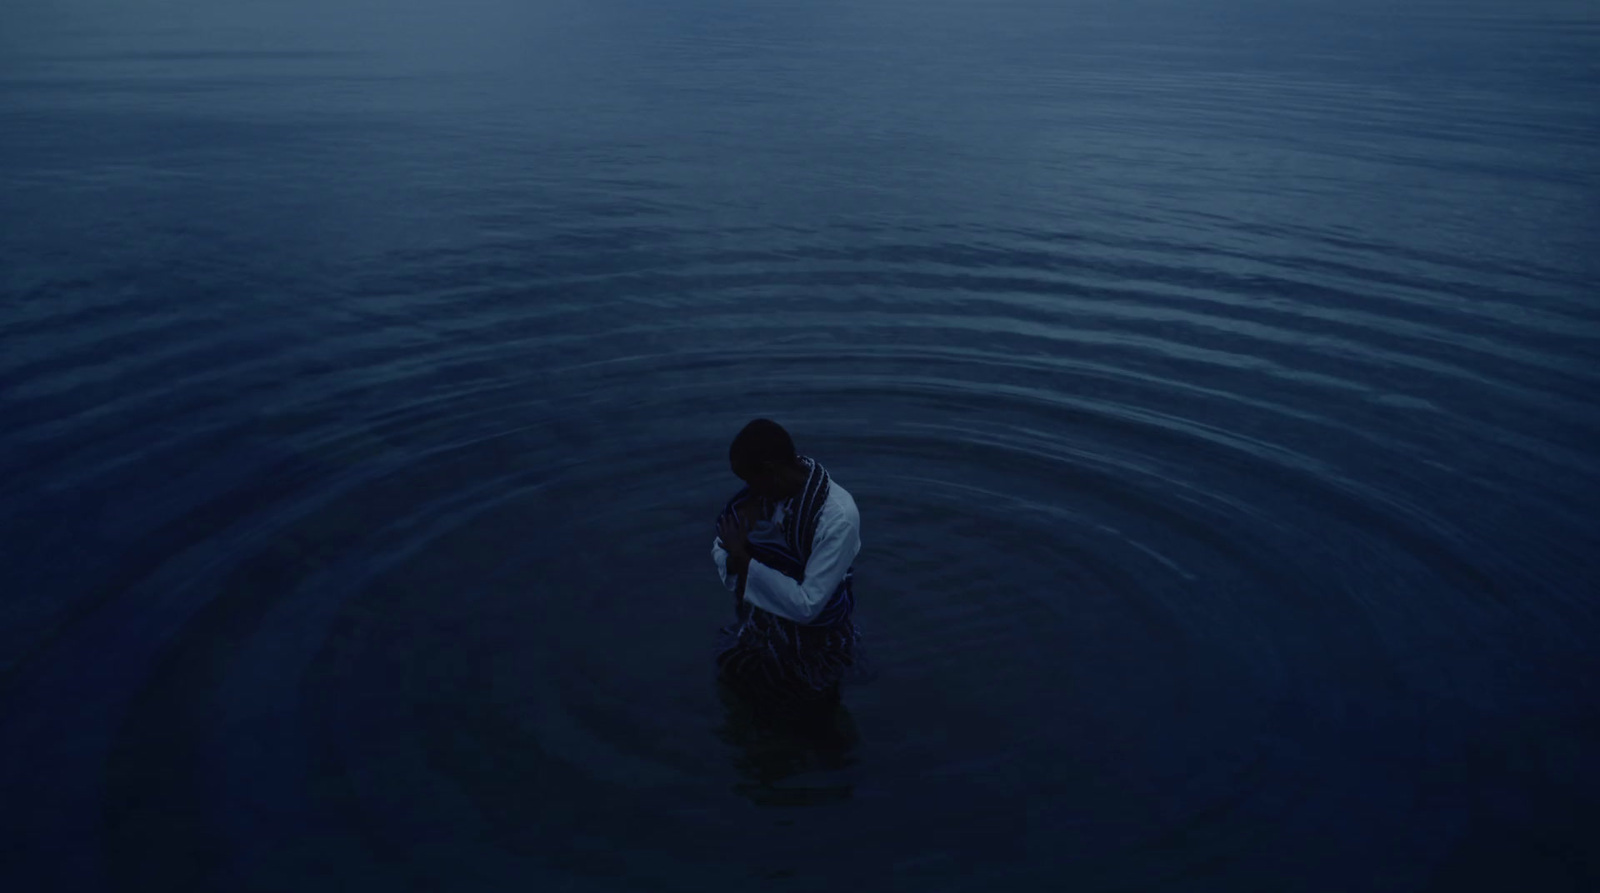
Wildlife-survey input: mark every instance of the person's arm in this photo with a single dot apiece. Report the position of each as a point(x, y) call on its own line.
point(730, 578)
point(838, 540)
point(739, 568)
point(730, 550)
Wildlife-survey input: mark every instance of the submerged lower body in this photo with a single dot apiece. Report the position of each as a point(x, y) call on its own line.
point(779, 749)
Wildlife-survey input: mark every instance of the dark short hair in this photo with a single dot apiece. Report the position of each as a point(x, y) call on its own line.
point(760, 442)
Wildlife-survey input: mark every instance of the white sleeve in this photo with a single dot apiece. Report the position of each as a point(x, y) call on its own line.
point(720, 556)
point(838, 540)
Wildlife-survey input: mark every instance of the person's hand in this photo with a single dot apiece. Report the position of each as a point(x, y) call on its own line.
point(750, 511)
point(735, 532)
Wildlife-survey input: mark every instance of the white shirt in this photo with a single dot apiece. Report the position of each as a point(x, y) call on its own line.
point(833, 549)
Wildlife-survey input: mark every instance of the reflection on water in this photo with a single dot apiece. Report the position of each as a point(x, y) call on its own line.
point(786, 755)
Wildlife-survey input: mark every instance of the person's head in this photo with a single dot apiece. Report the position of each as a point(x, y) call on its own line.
point(763, 456)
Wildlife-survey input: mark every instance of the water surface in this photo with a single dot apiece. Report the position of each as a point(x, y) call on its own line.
point(1216, 380)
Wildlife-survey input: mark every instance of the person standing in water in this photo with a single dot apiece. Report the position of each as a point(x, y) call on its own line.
point(785, 547)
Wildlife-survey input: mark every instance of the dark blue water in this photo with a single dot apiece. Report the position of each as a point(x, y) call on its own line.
point(1217, 381)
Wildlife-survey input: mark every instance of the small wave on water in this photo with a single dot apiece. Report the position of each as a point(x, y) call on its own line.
point(1225, 492)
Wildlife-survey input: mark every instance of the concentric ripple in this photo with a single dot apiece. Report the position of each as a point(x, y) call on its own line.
point(1226, 483)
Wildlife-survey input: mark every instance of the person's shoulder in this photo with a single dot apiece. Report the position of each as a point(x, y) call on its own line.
point(841, 505)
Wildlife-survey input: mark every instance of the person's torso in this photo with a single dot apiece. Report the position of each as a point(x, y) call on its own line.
point(773, 529)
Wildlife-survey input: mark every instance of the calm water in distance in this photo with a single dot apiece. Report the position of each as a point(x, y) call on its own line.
point(1217, 381)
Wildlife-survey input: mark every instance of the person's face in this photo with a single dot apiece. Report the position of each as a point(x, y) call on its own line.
point(762, 481)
